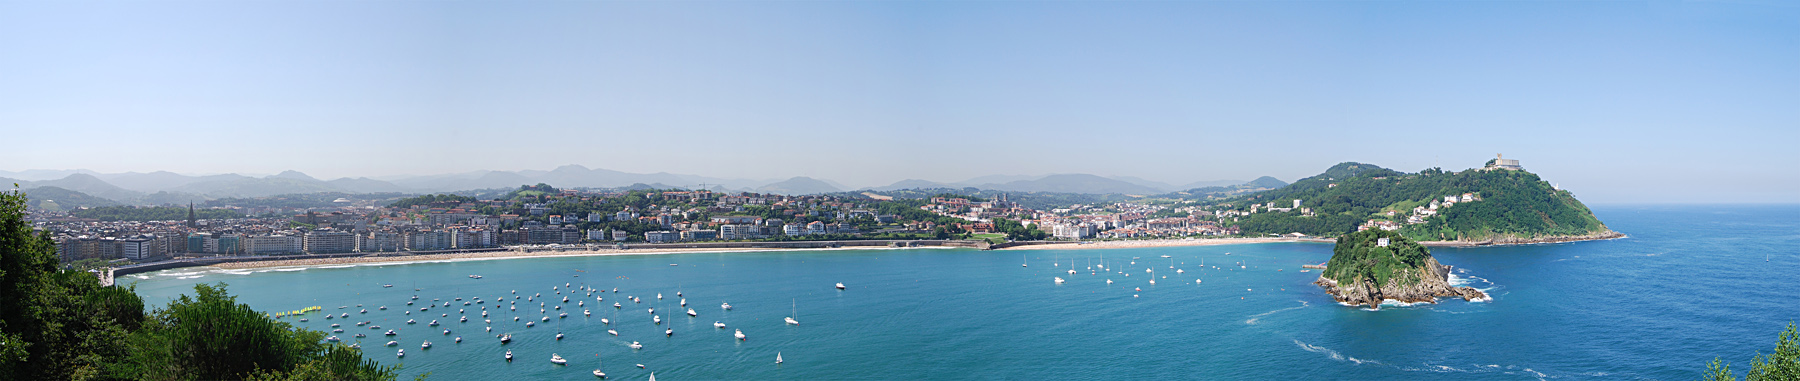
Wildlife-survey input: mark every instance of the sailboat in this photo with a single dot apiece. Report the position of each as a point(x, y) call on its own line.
point(778, 357)
point(1026, 263)
point(790, 319)
point(598, 364)
point(652, 376)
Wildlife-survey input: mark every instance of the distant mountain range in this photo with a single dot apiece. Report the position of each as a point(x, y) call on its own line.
point(161, 187)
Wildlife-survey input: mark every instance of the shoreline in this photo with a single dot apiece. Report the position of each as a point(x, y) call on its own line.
point(1134, 244)
point(1094, 245)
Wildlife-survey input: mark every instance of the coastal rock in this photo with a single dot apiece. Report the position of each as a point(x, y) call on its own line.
point(1369, 267)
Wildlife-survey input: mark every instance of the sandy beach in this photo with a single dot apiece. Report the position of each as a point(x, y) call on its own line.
point(469, 256)
point(653, 251)
point(1132, 244)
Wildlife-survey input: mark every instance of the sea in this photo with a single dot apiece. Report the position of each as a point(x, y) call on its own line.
point(1689, 284)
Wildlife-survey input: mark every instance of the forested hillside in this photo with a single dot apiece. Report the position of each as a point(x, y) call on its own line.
point(1510, 204)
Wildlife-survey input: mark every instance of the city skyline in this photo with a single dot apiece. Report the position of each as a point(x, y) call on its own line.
point(1620, 102)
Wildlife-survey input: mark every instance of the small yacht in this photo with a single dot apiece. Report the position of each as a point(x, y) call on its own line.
point(599, 374)
point(426, 345)
point(684, 302)
point(840, 285)
point(464, 319)
point(612, 332)
point(332, 339)
point(506, 339)
point(718, 325)
point(586, 313)
point(739, 335)
point(604, 321)
point(459, 339)
point(656, 319)
point(361, 335)
point(383, 308)
point(508, 356)
point(669, 332)
point(339, 330)
point(446, 332)
point(356, 345)
point(1059, 280)
point(410, 321)
point(433, 323)
point(777, 357)
point(616, 305)
point(400, 353)
point(562, 315)
point(546, 318)
point(392, 343)
point(725, 306)
point(391, 333)
point(652, 311)
point(658, 296)
point(559, 335)
point(529, 324)
point(635, 345)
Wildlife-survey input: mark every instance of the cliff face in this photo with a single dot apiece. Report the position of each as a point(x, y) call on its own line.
point(1371, 266)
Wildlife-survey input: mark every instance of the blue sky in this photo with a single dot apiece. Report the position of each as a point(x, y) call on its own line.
point(1661, 101)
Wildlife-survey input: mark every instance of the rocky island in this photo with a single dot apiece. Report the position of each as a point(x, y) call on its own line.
point(1372, 266)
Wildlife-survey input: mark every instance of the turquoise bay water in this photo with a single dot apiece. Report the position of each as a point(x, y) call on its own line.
point(1689, 284)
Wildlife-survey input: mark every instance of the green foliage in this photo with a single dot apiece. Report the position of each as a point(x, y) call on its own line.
point(1514, 203)
point(430, 200)
point(1782, 365)
point(61, 324)
point(1358, 258)
point(152, 213)
point(59, 199)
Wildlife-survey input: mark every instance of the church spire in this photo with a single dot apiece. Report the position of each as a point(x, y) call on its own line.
point(191, 214)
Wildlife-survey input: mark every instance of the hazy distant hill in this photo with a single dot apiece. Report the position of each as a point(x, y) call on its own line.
point(1266, 182)
point(798, 186)
point(1073, 183)
point(88, 184)
point(1214, 183)
point(59, 199)
point(912, 184)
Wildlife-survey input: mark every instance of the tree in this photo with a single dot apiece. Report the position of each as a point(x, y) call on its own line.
point(1782, 365)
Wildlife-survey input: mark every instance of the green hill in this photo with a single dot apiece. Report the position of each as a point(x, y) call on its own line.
point(58, 199)
point(1511, 205)
point(1372, 266)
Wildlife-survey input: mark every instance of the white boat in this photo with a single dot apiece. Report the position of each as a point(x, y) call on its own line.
point(599, 374)
point(669, 331)
point(558, 360)
point(546, 318)
point(586, 313)
point(459, 339)
point(426, 345)
point(718, 325)
point(635, 345)
point(433, 323)
point(684, 302)
point(790, 319)
point(691, 313)
point(739, 335)
point(840, 285)
point(1025, 261)
point(612, 332)
point(616, 305)
point(391, 333)
point(725, 306)
point(562, 315)
point(1109, 281)
point(604, 321)
point(529, 324)
point(464, 319)
point(446, 332)
point(509, 355)
point(507, 338)
point(658, 296)
point(652, 311)
point(393, 343)
point(332, 339)
point(559, 335)
point(656, 319)
point(778, 357)
point(1059, 280)
point(400, 353)
point(652, 374)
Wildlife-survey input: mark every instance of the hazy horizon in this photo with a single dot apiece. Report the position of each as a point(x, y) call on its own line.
point(1620, 102)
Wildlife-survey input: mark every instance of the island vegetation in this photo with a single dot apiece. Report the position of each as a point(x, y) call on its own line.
point(60, 323)
point(1372, 266)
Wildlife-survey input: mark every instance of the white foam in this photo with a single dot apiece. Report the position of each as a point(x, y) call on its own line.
point(191, 277)
point(1254, 318)
point(1333, 354)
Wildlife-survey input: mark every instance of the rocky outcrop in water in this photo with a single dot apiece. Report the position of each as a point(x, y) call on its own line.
point(1372, 266)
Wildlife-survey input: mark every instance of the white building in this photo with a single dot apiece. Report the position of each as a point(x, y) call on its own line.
point(273, 244)
point(329, 241)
